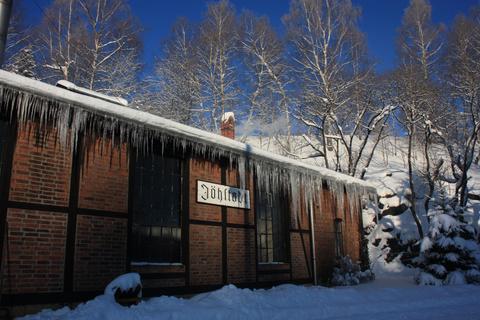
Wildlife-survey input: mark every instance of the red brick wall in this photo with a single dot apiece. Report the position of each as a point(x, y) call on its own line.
point(206, 171)
point(241, 216)
point(241, 255)
point(37, 239)
point(351, 233)
point(205, 255)
point(41, 171)
point(205, 245)
point(299, 219)
point(325, 214)
point(101, 242)
point(100, 251)
point(104, 179)
point(300, 262)
point(36, 251)
point(324, 235)
point(206, 241)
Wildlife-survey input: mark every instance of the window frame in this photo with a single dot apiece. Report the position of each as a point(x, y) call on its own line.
point(284, 213)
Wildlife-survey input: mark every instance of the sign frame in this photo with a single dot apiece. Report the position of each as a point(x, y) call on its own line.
point(225, 191)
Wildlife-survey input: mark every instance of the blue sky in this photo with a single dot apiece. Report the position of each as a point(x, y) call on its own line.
point(379, 21)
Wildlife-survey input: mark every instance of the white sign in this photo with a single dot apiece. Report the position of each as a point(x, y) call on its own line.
point(221, 195)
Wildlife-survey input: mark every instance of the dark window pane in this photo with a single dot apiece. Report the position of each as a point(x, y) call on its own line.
point(270, 255)
point(269, 227)
point(263, 256)
point(156, 209)
point(3, 134)
point(5, 138)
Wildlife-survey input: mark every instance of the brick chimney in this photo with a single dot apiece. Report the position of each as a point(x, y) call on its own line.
point(227, 128)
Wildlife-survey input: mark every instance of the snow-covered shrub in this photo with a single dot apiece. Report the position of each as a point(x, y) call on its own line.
point(448, 252)
point(126, 289)
point(349, 273)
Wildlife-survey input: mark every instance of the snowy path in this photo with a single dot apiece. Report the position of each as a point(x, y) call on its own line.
point(385, 299)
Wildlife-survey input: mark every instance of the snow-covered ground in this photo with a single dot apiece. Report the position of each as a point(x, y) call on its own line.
point(392, 297)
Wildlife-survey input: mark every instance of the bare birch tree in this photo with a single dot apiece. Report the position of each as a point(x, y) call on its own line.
point(217, 72)
point(174, 91)
point(59, 36)
point(331, 64)
point(462, 79)
point(264, 56)
point(419, 45)
point(92, 43)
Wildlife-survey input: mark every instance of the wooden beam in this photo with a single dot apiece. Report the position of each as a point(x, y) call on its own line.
point(77, 158)
point(8, 151)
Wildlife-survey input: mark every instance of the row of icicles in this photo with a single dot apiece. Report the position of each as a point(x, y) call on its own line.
point(72, 122)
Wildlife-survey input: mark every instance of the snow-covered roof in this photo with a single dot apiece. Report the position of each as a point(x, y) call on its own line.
point(155, 123)
point(72, 87)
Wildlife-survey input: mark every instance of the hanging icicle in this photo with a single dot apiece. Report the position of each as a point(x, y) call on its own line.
point(241, 171)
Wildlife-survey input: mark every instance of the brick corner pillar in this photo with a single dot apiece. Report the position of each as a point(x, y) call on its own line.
point(227, 128)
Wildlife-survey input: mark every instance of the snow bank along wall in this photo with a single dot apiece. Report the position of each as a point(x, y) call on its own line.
point(90, 190)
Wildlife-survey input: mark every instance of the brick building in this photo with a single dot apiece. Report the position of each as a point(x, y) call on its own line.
point(90, 190)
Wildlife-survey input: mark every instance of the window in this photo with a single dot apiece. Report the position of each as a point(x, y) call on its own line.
point(271, 226)
point(156, 227)
point(338, 229)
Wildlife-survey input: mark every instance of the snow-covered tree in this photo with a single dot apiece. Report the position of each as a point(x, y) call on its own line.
point(348, 273)
point(415, 90)
point(23, 63)
point(462, 79)
point(216, 48)
point(449, 252)
point(94, 44)
point(268, 76)
point(196, 76)
point(174, 91)
point(20, 49)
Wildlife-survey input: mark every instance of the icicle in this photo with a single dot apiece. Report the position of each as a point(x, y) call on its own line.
point(272, 176)
point(337, 191)
point(241, 171)
point(295, 195)
point(62, 126)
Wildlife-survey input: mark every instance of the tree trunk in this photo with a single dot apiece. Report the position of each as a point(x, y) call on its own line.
point(325, 144)
point(431, 184)
point(412, 186)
